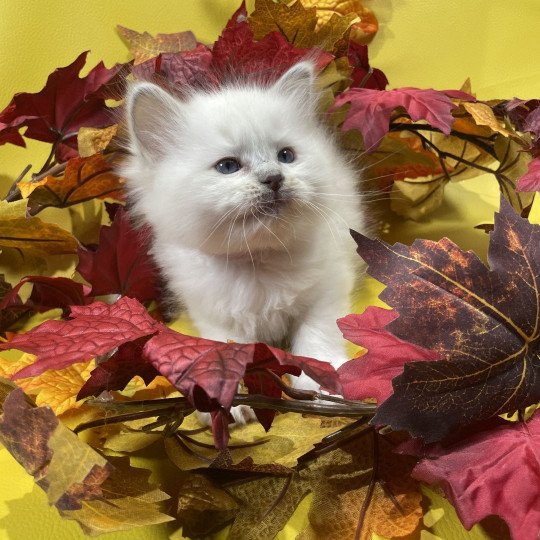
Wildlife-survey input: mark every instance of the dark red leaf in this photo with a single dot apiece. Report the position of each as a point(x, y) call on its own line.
point(120, 264)
point(11, 306)
point(116, 372)
point(95, 329)
point(183, 69)
point(370, 375)
point(492, 472)
point(363, 75)
point(371, 110)
point(485, 323)
point(48, 293)
point(236, 53)
point(65, 104)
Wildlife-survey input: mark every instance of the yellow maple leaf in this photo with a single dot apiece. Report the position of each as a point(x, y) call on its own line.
point(59, 388)
point(90, 141)
point(363, 23)
point(144, 46)
point(30, 234)
point(84, 179)
point(299, 23)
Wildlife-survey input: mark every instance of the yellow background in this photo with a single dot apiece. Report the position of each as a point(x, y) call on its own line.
point(424, 43)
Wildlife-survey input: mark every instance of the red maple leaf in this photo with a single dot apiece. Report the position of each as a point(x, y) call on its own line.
point(121, 263)
point(530, 181)
point(363, 75)
point(370, 375)
point(119, 369)
point(93, 330)
point(65, 104)
point(371, 110)
point(236, 53)
point(484, 322)
point(48, 293)
point(186, 68)
point(494, 471)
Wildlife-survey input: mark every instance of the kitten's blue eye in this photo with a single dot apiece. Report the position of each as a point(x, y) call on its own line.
point(286, 155)
point(228, 166)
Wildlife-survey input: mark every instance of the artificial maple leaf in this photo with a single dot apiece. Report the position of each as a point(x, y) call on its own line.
point(370, 375)
point(491, 472)
point(58, 389)
point(364, 25)
point(121, 263)
point(65, 104)
point(415, 198)
point(65, 467)
point(47, 293)
point(90, 141)
point(363, 75)
point(301, 25)
point(11, 306)
point(94, 329)
point(185, 69)
point(128, 500)
point(339, 482)
point(237, 53)
point(483, 322)
point(84, 179)
point(196, 499)
point(116, 372)
point(282, 444)
point(371, 110)
point(31, 235)
point(144, 46)
point(483, 115)
point(530, 181)
point(295, 22)
point(513, 161)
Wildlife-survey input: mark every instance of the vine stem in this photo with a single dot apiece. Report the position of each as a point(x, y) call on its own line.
point(180, 405)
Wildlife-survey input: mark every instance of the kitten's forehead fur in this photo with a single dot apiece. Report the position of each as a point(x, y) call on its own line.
point(237, 113)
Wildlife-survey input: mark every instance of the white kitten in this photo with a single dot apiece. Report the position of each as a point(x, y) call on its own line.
point(250, 203)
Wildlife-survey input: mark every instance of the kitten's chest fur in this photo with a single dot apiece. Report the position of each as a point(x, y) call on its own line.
point(256, 298)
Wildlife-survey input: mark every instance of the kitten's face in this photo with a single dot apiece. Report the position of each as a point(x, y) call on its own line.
point(238, 171)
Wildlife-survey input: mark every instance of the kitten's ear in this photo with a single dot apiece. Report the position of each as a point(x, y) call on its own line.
point(151, 113)
point(298, 81)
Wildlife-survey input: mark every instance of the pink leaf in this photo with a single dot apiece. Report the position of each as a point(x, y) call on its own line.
point(495, 471)
point(371, 110)
point(370, 376)
point(530, 181)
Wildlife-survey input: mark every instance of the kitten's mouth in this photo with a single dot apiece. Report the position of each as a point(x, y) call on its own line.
point(270, 205)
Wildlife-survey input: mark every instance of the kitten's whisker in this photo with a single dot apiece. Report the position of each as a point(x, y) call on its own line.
point(229, 237)
point(273, 234)
point(219, 222)
point(245, 239)
point(324, 216)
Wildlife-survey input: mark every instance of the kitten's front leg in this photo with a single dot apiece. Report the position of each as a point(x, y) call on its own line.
point(317, 336)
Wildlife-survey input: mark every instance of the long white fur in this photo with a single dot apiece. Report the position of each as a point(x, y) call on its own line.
point(243, 275)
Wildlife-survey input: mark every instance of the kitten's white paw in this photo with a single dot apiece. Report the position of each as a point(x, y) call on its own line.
point(242, 415)
point(303, 382)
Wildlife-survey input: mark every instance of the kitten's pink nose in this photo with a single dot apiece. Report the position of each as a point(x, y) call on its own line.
point(273, 182)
